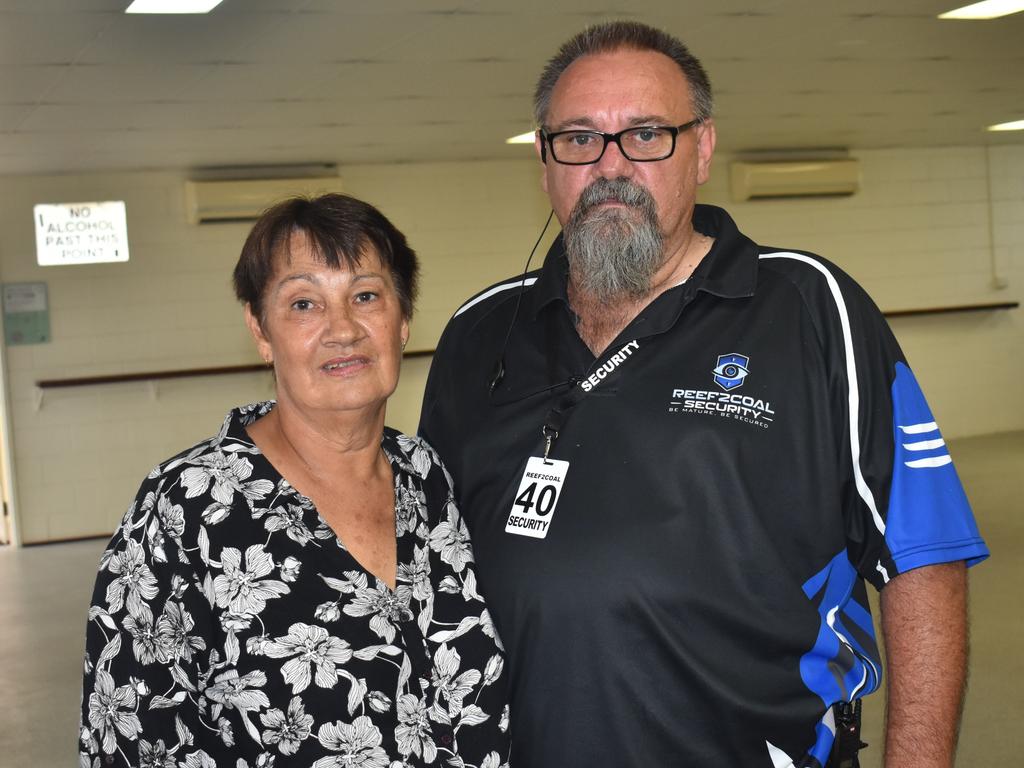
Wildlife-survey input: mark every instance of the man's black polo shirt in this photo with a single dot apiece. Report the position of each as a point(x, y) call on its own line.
point(697, 597)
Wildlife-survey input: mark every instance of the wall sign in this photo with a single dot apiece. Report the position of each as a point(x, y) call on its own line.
point(81, 233)
point(26, 313)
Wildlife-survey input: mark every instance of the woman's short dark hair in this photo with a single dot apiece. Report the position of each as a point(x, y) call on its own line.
point(339, 228)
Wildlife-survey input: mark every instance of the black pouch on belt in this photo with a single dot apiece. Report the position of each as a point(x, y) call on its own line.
point(847, 743)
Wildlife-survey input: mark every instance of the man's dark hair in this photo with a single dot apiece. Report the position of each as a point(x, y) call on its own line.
point(615, 36)
point(339, 229)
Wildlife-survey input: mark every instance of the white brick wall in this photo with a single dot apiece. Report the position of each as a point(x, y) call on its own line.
point(921, 233)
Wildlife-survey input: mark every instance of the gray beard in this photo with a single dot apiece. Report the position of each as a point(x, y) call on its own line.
point(614, 253)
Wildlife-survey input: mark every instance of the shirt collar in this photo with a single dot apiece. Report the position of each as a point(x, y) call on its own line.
point(729, 270)
point(552, 283)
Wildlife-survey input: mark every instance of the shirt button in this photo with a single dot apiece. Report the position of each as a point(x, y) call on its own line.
point(447, 739)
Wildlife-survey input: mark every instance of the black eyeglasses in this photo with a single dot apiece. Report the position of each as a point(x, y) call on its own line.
point(642, 144)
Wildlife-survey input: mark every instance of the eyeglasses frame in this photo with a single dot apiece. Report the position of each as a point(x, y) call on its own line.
point(608, 138)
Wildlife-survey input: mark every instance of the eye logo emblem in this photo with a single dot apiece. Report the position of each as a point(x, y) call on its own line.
point(731, 371)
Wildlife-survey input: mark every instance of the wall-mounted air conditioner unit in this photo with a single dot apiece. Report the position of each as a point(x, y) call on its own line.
point(246, 199)
point(794, 178)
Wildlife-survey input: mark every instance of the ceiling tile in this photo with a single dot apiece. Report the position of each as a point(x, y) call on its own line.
point(56, 37)
point(256, 81)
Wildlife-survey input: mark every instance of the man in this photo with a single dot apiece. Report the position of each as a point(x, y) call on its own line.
point(681, 454)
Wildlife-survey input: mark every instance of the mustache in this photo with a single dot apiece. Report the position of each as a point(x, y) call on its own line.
point(619, 190)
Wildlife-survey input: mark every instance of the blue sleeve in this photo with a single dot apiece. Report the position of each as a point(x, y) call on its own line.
point(902, 503)
point(929, 519)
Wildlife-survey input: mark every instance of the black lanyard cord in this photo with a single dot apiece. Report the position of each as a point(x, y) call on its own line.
point(498, 372)
point(602, 369)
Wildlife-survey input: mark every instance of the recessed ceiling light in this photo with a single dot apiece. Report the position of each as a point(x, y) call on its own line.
point(522, 138)
point(989, 9)
point(172, 6)
point(1016, 125)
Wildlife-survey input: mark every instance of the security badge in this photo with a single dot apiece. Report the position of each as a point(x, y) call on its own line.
point(535, 501)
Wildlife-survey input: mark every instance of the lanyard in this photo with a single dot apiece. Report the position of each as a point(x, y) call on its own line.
point(599, 374)
point(533, 505)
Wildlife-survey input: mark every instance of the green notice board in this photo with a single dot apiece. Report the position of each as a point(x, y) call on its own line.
point(26, 313)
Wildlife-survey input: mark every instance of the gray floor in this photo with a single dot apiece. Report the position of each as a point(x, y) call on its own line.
point(44, 594)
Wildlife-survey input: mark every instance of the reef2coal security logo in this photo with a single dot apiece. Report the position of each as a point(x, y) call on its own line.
point(731, 370)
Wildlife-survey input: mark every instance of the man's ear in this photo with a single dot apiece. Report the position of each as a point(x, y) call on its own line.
point(540, 146)
point(705, 149)
point(542, 154)
point(259, 336)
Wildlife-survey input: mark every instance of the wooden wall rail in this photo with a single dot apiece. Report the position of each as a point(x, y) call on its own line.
point(947, 310)
point(118, 378)
point(184, 373)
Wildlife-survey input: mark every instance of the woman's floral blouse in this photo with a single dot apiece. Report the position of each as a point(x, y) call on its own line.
point(230, 628)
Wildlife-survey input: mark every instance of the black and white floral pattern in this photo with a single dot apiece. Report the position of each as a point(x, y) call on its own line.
point(230, 628)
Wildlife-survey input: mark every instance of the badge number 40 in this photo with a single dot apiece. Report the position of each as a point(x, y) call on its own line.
point(534, 506)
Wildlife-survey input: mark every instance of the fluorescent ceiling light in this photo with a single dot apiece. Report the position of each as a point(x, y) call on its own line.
point(522, 138)
point(1016, 125)
point(172, 6)
point(990, 9)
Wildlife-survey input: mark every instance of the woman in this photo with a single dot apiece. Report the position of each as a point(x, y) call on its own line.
point(299, 590)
